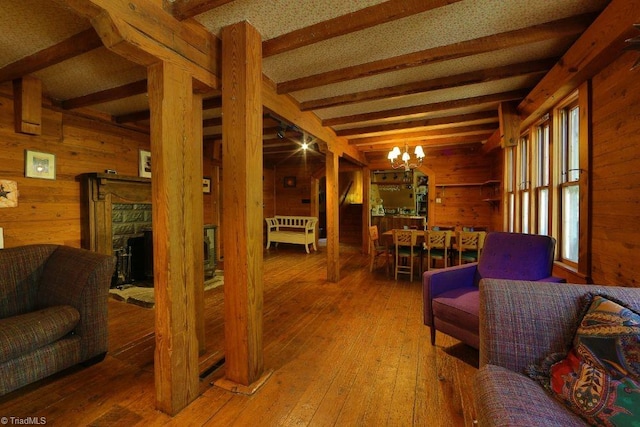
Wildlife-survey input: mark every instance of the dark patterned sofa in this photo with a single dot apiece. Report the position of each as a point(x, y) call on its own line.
point(53, 311)
point(521, 323)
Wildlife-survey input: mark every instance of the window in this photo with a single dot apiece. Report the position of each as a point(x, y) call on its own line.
point(541, 181)
point(524, 183)
point(509, 188)
point(569, 182)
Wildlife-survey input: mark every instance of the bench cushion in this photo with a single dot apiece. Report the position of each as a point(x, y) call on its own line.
point(27, 332)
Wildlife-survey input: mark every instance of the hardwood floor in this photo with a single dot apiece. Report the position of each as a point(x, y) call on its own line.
point(353, 353)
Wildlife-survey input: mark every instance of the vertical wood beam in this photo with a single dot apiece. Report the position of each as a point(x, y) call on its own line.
point(333, 217)
point(176, 189)
point(315, 204)
point(242, 202)
point(198, 218)
point(27, 99)
point(366, 209)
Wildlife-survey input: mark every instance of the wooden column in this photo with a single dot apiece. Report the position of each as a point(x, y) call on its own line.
point(198, 217)
point(366, 209)
point(176, 189)
point(242, 204)
point(315, 204)
point(333, 218)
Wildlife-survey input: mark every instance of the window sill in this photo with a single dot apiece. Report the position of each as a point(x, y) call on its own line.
point(570, 273)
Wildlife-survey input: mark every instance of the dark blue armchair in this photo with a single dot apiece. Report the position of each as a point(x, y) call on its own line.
point(451, 299)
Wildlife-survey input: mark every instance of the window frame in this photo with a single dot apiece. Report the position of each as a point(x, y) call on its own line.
point(580, 98)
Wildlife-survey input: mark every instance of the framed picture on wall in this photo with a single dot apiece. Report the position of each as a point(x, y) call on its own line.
point(289, 182)
point(206, 185)
point(39, 165)
point(144, 168)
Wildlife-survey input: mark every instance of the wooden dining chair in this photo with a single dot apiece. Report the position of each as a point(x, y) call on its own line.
point(377, 250)
point(469, 245)
point(436, 246)
point(404, 242)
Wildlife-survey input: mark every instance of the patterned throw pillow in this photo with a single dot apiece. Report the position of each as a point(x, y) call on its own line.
point(599, 378)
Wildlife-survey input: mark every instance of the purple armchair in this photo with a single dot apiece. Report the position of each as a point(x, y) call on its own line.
point(451, 299)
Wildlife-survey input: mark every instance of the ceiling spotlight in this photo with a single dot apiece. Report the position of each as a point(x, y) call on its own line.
point(305, 145)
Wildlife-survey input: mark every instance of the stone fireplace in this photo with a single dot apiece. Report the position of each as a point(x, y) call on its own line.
point(117, 221)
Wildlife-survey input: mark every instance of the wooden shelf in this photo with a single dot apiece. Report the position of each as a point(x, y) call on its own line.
point(392, 183)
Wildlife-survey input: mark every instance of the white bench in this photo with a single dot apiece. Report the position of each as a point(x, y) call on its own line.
point(292, 229)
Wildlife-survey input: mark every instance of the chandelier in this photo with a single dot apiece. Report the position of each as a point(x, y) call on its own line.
point(403, 160)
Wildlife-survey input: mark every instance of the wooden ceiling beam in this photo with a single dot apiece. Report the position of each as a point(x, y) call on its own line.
point(284, 106)
point(556, 29)
point(474, 77)
point(184, 9)
point(113, 94)
point(425, 134)
point(597, 47)
point(441, 141)
point(73, 46)
point(449, 121)
point(496, 98)
point(144, 33)
point(207, 104)
point(351, 22)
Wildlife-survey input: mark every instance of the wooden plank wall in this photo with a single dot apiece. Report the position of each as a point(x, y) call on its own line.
point(49, 211)
point(616, 174)
point(292, 201)
point(463, 205)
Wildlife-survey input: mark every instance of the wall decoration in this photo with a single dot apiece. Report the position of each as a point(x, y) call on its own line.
point(8, 194)
point(206, 185)
point(289, 182)
point(39, 165)
point(144, 168)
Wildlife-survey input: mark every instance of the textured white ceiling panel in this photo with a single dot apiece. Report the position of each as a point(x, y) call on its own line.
point(488, 60)
point(19, 35)
point(273, 18)
point(465, 20)
point(91, 72)
point(429, 97)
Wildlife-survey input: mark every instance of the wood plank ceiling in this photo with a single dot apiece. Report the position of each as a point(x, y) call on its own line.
point(380, 73)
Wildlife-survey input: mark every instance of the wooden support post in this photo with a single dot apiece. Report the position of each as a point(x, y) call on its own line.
point(198, 217)
point(27, 104)
point(242, 204)
point(176, 188)
point(333, 218)
point(366, 209)
point(315, 204)
point(509, 124)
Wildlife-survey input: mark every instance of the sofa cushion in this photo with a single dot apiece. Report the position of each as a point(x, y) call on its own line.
point(458, 306)
point(495, 388)
point(599, 377)
point(27, 332)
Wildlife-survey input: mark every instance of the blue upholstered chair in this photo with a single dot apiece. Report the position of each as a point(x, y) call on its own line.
point(451, 296)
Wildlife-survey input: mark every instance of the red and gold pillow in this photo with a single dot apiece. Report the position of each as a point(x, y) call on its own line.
point(599, 378)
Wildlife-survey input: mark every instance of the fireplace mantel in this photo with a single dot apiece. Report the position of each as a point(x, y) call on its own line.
point(100, 192)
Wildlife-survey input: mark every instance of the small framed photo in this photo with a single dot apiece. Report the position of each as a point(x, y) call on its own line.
point(206, 185)
point(289, 182)
point(144, 169)
point(39, 165)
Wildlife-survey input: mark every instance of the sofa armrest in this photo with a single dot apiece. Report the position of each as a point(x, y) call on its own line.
point(80, 278)
point(435, 282)
point(523, 322)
